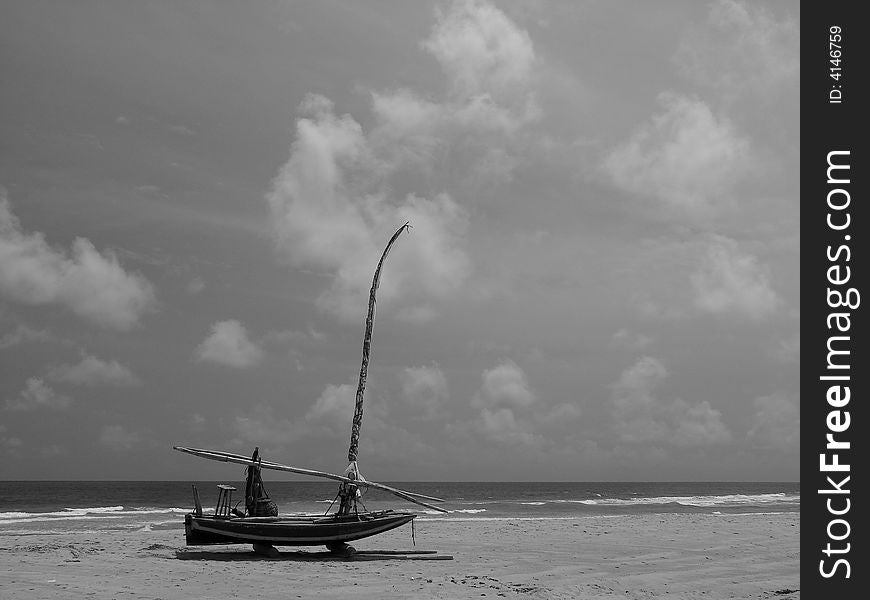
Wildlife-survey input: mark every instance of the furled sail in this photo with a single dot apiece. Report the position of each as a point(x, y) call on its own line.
point(352, 470)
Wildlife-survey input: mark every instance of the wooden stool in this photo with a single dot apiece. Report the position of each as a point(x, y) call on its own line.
point(225, 500)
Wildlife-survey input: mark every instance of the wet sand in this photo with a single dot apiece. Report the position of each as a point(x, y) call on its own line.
point(638, 556)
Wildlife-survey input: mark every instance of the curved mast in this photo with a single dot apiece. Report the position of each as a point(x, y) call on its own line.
point(364, 367)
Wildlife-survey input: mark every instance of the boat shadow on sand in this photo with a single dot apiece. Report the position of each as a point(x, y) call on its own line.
point(308, 556)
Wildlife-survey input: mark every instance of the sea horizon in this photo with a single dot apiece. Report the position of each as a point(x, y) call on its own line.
point(40, 506)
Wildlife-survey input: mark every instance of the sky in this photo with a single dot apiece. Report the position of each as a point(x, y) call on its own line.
point(601, 281)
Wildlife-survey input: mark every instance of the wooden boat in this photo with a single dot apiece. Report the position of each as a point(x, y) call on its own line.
point(330, 530)
point(259, 524)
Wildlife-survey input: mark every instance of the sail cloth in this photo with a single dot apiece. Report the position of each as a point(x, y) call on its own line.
point(352, 471)
point(257, 500)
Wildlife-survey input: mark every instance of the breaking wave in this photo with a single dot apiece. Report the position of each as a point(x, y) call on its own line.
point(79, 514)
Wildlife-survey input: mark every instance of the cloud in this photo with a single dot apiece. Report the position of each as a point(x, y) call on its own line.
point(505, 401)
point(504, 386)
point(475, 42)
point(631, 340)
point(197, 423)
point(489, 65)
point(23, 334)
point(183, 130)
point(501, 425)
point(473, 140)
point(229, 345)
point(94, 371)
point(116, 437)
point(37, 394)
point(560, 414)
point(511, 413)
point(481, 51)
point(295, 337)
point(424, 389)
point(422, 313)
point(777, 422)
point(91, 284)
point(327, 424)
point(318, 223)
point(345, 190)
point(328, 418)
point(53, 451)
point(335, 404)
point(10, 443)
point(742, 49)
point(261, 427)
point(731, 280)
point(328, 214)
point(195, 286)
point(686, 158)
point(642, 418)
point(788, 350)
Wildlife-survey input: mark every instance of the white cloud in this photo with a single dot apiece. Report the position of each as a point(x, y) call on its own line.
point(335, 404)
point(37, 394)
point(183, 130)
point(687, 159)
point(697, 424)
point(509, 413)
point(742, 49)
point(475, 140)
point(94, 371)
point(326, 422)
point(489, 64)
point(481, 51)
point(294, 337)
point(631, 339)
point(642, 418)
point(197, 423)
point(501, 425)
point(422, 313)
point(331, 415)
point(116, 437)
point(10, 443)
point(228, 344)
point(23, 334)
point(505, 401)
point(261, 427)
point(560, 414)
point(53, 451)
point(327, 215)
point(788, 350)
point(425, 389)
point(344, 190)
point(777, 422)
point(504, 385)
point(195, 286)
point(91, 284)
point(410, 122)
point(731, 280)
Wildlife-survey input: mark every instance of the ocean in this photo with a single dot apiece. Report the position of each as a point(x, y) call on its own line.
point(62, 506)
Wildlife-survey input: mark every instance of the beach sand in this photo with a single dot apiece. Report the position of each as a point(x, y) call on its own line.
point(639, 556)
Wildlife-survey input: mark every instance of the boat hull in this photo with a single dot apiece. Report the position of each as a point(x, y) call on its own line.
point(290, 531)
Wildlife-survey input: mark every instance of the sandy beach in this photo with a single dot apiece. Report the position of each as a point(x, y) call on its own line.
point(638, 556)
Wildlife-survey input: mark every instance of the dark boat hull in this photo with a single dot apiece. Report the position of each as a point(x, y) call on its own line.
point(290, 531)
